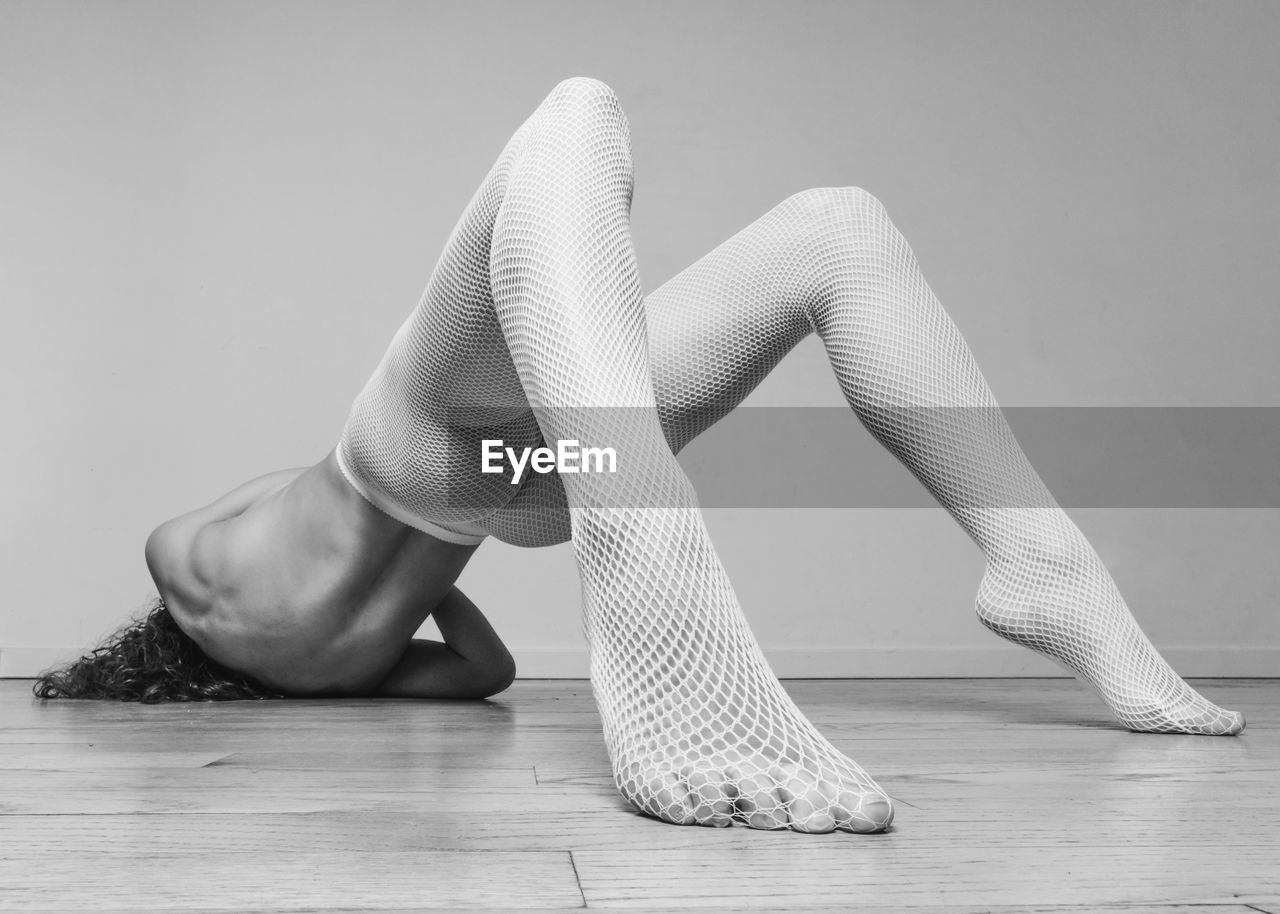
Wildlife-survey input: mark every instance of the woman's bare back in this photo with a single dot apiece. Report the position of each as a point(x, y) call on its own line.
point(297, 581)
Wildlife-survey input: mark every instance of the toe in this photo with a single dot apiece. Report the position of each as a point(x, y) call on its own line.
point(758, 804)
point(862, 812)
point(874, 814)
point(808, 800)
point(670, 800)
point(711, 797)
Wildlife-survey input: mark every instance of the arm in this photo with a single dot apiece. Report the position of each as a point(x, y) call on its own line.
point(472, 663)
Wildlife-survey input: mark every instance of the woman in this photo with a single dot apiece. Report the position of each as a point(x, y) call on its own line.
point(532, 332)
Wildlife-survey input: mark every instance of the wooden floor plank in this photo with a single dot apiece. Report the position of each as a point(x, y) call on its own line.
point(981, 909)
point(739, 909)
point(298, 879)
point(569, 822)
point(154, 791)
point(873, 872)
point(97, 757)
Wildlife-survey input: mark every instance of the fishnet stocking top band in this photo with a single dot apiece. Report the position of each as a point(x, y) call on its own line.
point(391, 507)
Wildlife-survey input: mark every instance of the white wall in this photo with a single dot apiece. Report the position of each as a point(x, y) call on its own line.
point(213, 216)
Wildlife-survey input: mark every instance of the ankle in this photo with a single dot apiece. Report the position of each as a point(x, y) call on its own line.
point(1054, 552)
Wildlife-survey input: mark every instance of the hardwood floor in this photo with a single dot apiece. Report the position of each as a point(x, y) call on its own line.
point(1013, 795)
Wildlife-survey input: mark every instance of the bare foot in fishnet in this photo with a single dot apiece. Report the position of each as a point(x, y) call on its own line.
point(815, 798)
point(1062, 603)
point(781, 796)
point(767, 768)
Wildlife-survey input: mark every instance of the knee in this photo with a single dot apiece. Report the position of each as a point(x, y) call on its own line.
point(584, 90)
point(832, 224)
point(500, 679)
point(827, 207)
point(843, 233)
point(589, 102)
point(586, 113)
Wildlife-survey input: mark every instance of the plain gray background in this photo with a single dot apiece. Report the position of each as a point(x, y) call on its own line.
point(213, 216)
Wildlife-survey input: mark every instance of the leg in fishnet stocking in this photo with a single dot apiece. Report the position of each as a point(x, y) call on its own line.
point(687, 700)
point(832, 258)
point(696, 724)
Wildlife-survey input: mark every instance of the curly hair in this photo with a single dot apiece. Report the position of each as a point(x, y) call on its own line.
point(149, 660)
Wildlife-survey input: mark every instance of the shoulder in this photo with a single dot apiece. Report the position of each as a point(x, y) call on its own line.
point(169, 553)
point(186, 555)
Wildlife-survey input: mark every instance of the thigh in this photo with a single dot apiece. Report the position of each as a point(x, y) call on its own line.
point(469, 380)
point(446, 382)
point(720, 326)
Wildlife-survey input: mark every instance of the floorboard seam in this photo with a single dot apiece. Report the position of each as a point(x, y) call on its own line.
point(577, 879)
point(903, 802)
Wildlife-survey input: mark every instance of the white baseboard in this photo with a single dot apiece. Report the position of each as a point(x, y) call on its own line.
point(820, 663)
point(26, 662)
point(930, 662)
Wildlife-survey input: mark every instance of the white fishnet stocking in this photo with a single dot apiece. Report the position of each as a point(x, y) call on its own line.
point(532, 327)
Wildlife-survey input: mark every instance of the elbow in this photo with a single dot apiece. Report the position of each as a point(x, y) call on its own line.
point(498, 677)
